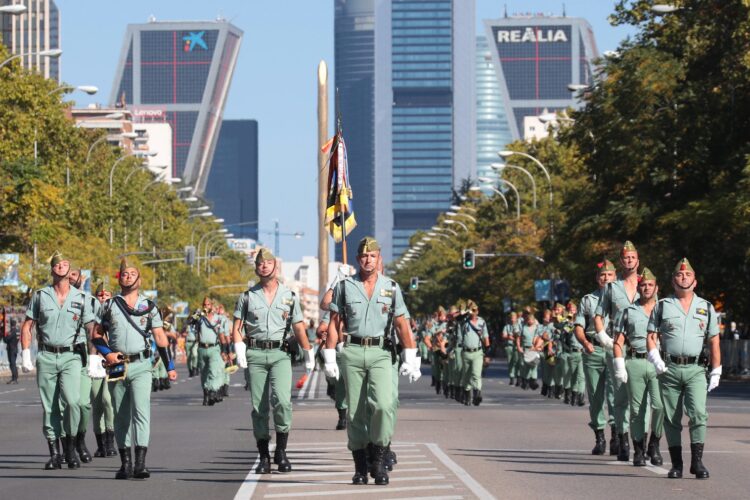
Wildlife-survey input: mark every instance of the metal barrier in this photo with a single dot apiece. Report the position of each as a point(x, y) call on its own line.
point(735, 357)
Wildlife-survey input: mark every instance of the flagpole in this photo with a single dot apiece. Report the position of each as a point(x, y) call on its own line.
point(322, 177)
point(339, 132)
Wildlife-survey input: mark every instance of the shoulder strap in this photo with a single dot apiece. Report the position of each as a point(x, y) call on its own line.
point(342, 311)
point(288, 327)
point(391, 311)
point(125, 310)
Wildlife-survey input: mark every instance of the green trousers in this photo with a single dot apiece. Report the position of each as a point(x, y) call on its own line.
point(472, 376)
point(561, 367)
point(643, 387)
point(158, 371)
point(574, 378)
point(599, 388)
point(436, 365)
point(270, 390)
point(58, 377)
point(457, 370)
point(84, 402)
point(529, 371)
point(621, 398)
point(511, 354)
point(424, 353)
point(212, 367)
point(684, 386)
point(547, 371)
point(131, 402)
point(101, 406)
point(191, 348)
point(368, 374)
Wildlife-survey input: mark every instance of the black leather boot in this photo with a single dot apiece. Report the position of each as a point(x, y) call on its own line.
point(559, 392)
point(512, 382)
point(264, 463)
point(624, 453)
point(139, 469)
point(341, 424)
point(101, 447)
point(653, 450)
point(126, 469)
point(446, 390)
point(165, 384)
point(696, 461)
point(390, 458)
point(279, 456)
point(377, 462)
point(600, 446)
point(580, 401)
point(566, 400)
point(155, 385)
point(360, 466)
point(71, 457)
point(110, 445)
point(675, 454)
point(477, 397)
point(54, 456)
point(545, 388)
point(83, 452)
point(331, 390)
point(60, 446)
point(573, 397)
point(533, 384)
point(551, 392)
point(614, 441)
point(437, 387)
point(639, 459)
point(518, 381)
point(524, 384)
point(466, 400)
point(205, 397)
point(432, 383)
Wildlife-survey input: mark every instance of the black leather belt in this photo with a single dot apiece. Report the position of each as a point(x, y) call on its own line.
point(263, 344)
point(131, 358)
point(682, 360)
point(205, 346)
point(466, 349)
point(56, 350)
point(364, 341)
point(638, 355)
point(576, 349)
point(595, 341)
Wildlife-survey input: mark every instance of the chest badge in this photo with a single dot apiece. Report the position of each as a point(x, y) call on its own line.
point(284, 315)
point(385, 309)
point(75, 317)
point(702, 325)
point(143, 321)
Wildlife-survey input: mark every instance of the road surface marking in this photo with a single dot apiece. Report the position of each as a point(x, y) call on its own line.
point(358, 491)
point(348, 481)
point(459, 472)
point(348, 472)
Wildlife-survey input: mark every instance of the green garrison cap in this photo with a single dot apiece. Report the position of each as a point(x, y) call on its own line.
point(124, 264)
point(367, 244)
point(453, 309)
point(471, 305)
point(628, 247)
point(441, 310)
point(99, 288)
point(683, 265)
point(264, 254)
point(646, 275)
point(56, 258)
point(604, 266)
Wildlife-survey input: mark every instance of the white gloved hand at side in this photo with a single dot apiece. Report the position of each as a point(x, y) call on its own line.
point(715, 376)
point(331, 368)
point(605, 340)
point(655, 358)
point(411, 365)
point(309, 360)
point(95, 367)
point(240, 350)
point(621, 373)
point(26, 364)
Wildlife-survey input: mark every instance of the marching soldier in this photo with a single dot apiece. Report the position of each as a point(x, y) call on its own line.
point(617, 296)
point(191, 349)
point(632, 368)
point(559, 351)
point(435, 341)
point(687, 328)
point(123, 336)
point(476, 342)
point(508, 335)
point(597, 372)
point(529, 354)
point(363, 310)
point(208, 333)
point(267, 313)
point(101, 402)
point(574, 379)
point(58, 312)
point(545, 343)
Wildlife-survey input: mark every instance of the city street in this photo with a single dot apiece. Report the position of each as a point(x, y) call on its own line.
point(515, 445)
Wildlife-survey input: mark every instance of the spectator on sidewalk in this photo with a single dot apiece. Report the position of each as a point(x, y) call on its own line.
point(9, 332)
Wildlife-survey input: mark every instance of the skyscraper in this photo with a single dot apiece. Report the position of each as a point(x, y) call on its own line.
point(536, 58)
point(35, 30)
point(179, 72)
point(401, 70)
point(233, 181)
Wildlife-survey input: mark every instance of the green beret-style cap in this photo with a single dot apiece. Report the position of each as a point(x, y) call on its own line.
point(646, 275)
point(683, 265)
point(264, 254)
point(367, 244)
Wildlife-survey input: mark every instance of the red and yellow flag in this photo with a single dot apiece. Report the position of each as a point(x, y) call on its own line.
point(339, 218)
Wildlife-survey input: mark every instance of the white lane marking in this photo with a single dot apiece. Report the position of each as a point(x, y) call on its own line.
point(14, 390)
point(343, 446)
point(347, 472)
point(360, 491)
point(530, 452)
point(348, 481)
point(316, 466)
point(308, 388)
point(451, 497)
point(651, 468)
point(251, 480)
point(464, 476)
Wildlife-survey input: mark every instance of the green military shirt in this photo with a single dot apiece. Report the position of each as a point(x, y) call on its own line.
point(633, 323)
point(190, 337)
point(57, 325)
point(473, 335)
point(569, 339)
point(613, 300)
point(325, 317)
point(264, 321)
point(208, 329)
point(529, 333)
point(121, 334)
point(587, 313)
point(367, 317)
point(682, 334)
point(511, 331)
point(95, 306)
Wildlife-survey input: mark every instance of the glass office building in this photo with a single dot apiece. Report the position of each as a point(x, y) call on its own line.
point(536, 58)
point(233, 182)
point(35, 30)
point(179, 72)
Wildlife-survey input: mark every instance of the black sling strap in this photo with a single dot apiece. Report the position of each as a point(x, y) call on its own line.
point(127, 312)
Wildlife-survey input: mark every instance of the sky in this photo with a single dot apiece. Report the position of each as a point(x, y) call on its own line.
point(274, 81)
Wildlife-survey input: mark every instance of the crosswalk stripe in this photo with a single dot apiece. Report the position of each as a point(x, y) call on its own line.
point(359, 491)
point(348, 472)
point(310, 483)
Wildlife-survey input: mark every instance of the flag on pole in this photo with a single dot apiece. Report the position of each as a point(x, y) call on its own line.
point(339, 210)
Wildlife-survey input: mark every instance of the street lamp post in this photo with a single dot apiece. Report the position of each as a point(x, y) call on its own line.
point(54, 53)
point(507, 153)
point(500, 166)
point(111, 175)
point(494, 190)
point(451, 221)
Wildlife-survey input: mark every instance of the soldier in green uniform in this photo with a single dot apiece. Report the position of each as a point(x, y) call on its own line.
point(574, 380)
point(511, 354)
point(435, 341)
point(617, 296)
point(687, 328)
point(597, 372)
point(225, 332)
point(525, 346)
point(123, 336)
point(457, 360)
point(476, 342)
point(209, 338)
point(58, 312)
point(102, 412)
point(451, 326)
point(267, 313)
point(364, 308)
point(632, 367)
point(546, 345)
point(559, 351)
point(191, 348)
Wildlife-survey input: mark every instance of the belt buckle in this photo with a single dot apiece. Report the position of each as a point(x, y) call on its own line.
point(366, 341)
point(267, 344)
point(681, 360)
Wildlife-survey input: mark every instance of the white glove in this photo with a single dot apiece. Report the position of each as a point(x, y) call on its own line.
point(715, 375)
point(411, 365)
point(339, 347)
point(309, 360)
point(655, 358)
point(26, 364)
point(605, 340)
point(240, 350)
point(95, 368)
point(621, 373)
point(331, 368)
point(344, 271)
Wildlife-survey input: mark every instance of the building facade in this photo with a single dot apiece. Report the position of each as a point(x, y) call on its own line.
point(536, 58)
point(36, 30)
point(179, 73)
point(233, 182)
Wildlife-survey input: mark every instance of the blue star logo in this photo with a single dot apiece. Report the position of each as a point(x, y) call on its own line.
point(194, 39)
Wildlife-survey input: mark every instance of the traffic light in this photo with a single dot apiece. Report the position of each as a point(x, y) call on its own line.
point(189, 255)
point(469, 258)
point(414, 283)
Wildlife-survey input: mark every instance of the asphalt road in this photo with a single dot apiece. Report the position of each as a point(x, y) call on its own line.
point(515, 445)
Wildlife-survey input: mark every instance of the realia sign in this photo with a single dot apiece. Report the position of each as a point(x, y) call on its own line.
point(533, 35)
